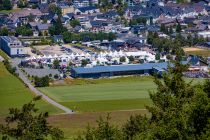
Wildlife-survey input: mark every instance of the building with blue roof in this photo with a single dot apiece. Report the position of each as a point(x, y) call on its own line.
point(118, 70)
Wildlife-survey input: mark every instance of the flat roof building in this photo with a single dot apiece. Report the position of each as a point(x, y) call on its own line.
point(118, 70)
point(12, 46)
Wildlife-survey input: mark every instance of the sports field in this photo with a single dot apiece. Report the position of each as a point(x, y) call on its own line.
point(13, 93)
point(120, 94)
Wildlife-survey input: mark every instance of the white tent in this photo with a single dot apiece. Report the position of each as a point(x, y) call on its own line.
point(39, 57)
point(33, 57)
point(50, 56)
point(87, 55)
point(55, 56)
point(82, 54)
point(72, 55)
point(120, 53)
point(44, 57)
point(77, 54)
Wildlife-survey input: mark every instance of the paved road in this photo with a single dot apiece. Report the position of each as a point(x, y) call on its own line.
point(37, 92)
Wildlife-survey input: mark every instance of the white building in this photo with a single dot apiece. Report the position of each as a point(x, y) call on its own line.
point(204, 34)
point(12, 46)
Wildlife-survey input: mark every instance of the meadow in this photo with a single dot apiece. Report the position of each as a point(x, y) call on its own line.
point(13, 93)
point(197, 51)
point(125, 93)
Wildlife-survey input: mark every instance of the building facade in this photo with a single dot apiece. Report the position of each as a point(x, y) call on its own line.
point(12, 46)
point(119, 70)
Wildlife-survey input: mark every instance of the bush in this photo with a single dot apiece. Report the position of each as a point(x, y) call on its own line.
point(11, 69)
point(41, 82)
point(56, 76)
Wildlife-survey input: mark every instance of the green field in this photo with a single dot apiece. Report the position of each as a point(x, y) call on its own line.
point(9, 11)
point(86, 95)
point(197, 51)
point(104, 95)
point(13, 93)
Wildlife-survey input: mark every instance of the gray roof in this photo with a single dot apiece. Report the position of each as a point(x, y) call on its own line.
point(116, 68)
point(43, 26)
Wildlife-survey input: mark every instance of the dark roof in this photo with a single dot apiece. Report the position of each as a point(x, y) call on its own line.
point(98, 23)
point(70, 15)
point(58, 37)
point(83, 9)
point(109, 14)
point(33, 1)
point(117, 68)
point(44, 8)
point(43, 26)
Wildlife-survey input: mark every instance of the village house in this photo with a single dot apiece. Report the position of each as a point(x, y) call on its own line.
point(86, 10)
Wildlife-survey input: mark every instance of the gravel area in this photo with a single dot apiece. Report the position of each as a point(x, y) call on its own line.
point(41, 72)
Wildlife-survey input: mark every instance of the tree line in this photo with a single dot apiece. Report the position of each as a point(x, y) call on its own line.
point(169, 45)
point(87, 36)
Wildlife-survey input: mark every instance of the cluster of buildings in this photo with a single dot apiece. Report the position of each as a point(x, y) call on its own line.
point(156, 12)
point(192, 17)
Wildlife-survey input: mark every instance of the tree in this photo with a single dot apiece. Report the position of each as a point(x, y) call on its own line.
point(56, 76)
point(206, 87)
point(131, 58)
point(122, 59)
point(24, 30)
point(56, 63)
point(84, 62)
point(190, 40)
point(22, 3)
point(163, 28)
point(26, 123)
point(54, 9)
point(135, 125)
point(103, 131)
point(57, 28)
point(178, 28)
point(157, 56)
point(171, 30)
point(74, 23)
point(4, 31)
point(6, 5)
point(41, 82)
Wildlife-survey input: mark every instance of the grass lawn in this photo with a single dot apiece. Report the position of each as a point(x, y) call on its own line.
point(104, 94)
point(86, 95)
point(75, 124)
point(197, 51)
point(13, 93)
point(9, 11)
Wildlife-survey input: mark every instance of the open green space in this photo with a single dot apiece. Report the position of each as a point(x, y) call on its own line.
point(13, 93)
point(197, 51)
point(89, 95)
point(124, 93)
point(9, 11)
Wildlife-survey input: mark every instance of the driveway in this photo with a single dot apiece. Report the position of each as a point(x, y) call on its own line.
point(37, 92)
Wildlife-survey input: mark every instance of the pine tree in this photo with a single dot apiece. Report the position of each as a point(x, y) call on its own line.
point(178, 28)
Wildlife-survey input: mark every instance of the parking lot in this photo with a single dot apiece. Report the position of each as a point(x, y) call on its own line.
point(59, 50)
